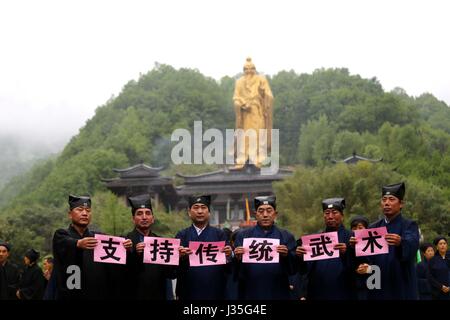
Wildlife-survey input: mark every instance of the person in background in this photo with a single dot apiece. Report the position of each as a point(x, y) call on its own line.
point(10, 270)
point(424, 287)
point(438, 270)
point(47, 266)
point(32, 282)
point(360, 265)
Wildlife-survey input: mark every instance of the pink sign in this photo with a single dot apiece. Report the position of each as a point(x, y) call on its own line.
point(371, 242)
point(110, 249)
point(261, 250)
point(161, 250)
point(320, 246)
point(206, 253)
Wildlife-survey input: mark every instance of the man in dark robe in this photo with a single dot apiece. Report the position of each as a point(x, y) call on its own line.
point(205, 282)
point(78, 277)
point(398, 267)
point(10, 270)
point(144, 281)
point(266, 281)
point(32, 282)
point(3, 284)
point(330, 279)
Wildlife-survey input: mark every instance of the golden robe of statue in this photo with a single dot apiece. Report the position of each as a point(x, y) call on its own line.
point(253, 101)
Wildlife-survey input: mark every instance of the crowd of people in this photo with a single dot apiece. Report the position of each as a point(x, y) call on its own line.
point(291, 277)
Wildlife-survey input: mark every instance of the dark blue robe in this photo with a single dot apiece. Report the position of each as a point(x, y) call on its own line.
point(12, 279)
point(331, 279)
point(201, 283)
point(32, 283)
point(144, 281)
point(398, 267)
point(423, 284)
point(3, 284)
point(438, 274)
point(266, 281)
point(94, 276)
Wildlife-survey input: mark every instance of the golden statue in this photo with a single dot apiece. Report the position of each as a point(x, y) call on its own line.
point(253, 101)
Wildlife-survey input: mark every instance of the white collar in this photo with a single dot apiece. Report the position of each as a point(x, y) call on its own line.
point(198, 229)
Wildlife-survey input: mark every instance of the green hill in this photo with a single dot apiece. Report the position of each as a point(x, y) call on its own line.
point(321, 116)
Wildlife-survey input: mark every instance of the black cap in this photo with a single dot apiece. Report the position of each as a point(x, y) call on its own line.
point(32, 254)
point(425, 246)
point(397, 190)
point(439, 238)
point(205, 199)
point(139, 202)
point(270, 200)
point(359, 219)
point(334, 203)
point(79, 201)
point(6, 245)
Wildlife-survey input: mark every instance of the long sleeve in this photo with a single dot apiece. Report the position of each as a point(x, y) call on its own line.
point(64, 246)
point(410, 242)
point(430, 276)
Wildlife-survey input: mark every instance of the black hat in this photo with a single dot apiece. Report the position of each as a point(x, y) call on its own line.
point(425, 246)
point(334, 203)
point(359, 219)
point(270, 200)
point(397, 190)
point(79, 201)
point(139, 202)
point(205, 199)
point(6, 245)
point(439, 238)
point(32, 254)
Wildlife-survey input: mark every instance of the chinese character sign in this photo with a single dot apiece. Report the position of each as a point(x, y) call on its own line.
point(206, 253)
point(261, 250)
point(161, 250)
point(110, 249)
point(371, 242)
point(320, 246)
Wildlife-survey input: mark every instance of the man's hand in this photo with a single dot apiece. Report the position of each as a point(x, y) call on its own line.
point(353, 241)
point(342, 247)
point(87, 243)
point(393, 239)
point(140, 247)
point(445, 289)
point(362, 268)
point(184, 251)
point(227, 250)
point(282, 250)
point(300, 251)
point(128, 244)
point(238, 252)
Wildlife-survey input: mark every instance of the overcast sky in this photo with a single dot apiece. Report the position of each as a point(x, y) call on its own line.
point(60, 60)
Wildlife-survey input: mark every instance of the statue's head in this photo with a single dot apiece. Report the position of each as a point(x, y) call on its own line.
point(249, 67)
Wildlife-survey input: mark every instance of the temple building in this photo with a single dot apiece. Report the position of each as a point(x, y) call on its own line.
point(354, 158)
point(142, 179)
point(229, 189)
point(232, 190)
